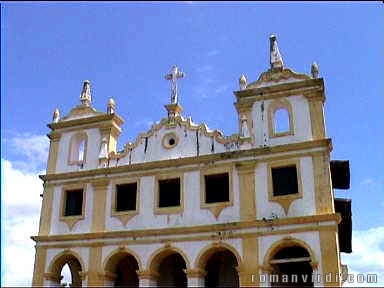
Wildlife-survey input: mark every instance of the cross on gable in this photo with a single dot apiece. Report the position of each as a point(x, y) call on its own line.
point(173, 76)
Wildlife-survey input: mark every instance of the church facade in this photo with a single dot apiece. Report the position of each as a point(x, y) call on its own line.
point(184, 205)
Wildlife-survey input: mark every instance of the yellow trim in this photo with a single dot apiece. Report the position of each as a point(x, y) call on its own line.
point(212, 248)
point(196, 229)
point(250, 263)
point(285, 201)
point(114, 257)
point(94, 267)
point(316, 112)
point(46, 210)
point(53, 151)
point(167, 137)
point(247, 190)
point(99, 204)
point(173, 209)
point(57, 263)
point(72, 220)
point(313, 88)
point(125, 216)
point(330, 256)
point(156, 257)
point(87, 122)
point(323, 184)
point(272, 108)
point(216, 208)
point(39, 267)
point(74, 146)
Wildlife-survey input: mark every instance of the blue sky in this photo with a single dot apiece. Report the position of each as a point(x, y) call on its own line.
point(125, 49)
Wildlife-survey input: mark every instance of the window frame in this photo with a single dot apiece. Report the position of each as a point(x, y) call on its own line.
point(124, 216)
point(216, 207)
point(273, 106)
point(172, 209)
point(285, 200)
point(71, 220)
point(74, 145)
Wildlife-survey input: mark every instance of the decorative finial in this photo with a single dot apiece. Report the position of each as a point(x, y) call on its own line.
point(85, 96)
point(243, 82)
point(314, 70)
point(275, 58)
point(173, 76)
point(111, 106)
point(56, 115)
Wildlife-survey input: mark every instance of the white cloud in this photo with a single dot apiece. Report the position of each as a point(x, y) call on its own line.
point(20, 193)
point(367, 256)
point(33, 149)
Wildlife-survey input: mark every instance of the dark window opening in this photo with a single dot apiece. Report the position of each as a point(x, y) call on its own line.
point(221, 270)
point(169, 193)
point(73, 202)
point(126, 197)
point(171, 271)
point(217, 188)
point(171, 142)
point(292, 268)
point(284, 180)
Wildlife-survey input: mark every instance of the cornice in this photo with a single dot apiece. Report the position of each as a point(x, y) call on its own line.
point(238, 225)
point(203, 159)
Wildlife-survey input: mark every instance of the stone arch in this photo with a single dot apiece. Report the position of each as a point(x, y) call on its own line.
point(111, 260)
point(157, 256)
point(211, 249)
point(75, 263)
point(77, 140)
point(284, 243)
point(273, 107)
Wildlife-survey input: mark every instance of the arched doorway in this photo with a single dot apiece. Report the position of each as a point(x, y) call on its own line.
point(169, 265)
point(124, 267)
point(221, 270)
point(61, 264)
point(291, 267)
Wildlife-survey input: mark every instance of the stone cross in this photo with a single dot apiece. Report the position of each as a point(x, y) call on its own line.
point(173, 76)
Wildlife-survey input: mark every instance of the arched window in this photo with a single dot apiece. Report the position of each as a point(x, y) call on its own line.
point(78, 149)
point(291, 267)
point(280, 118)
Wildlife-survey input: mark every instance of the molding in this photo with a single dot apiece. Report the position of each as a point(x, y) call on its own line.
point(172, 231)
point(217, 207)
point(308, 88)
point(207, 251)
point(272, 108)
point(172, 209)
point(264, 152)
point(167, 137)
point(285, 201)
point(102, 117)
point(72, 220)
point(125, 216)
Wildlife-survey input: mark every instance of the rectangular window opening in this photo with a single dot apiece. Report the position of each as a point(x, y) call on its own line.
point(216, 188)
point(284, 180)
point(169, 193)
point(126, 197)
point(73, 202)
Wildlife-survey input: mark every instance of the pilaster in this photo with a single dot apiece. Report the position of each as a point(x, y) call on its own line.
point(99, 204)
point(246, 174)
point(38, 270)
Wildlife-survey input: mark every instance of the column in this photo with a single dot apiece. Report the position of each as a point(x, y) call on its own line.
point(147, 278)
point(95, 275)
point(330, 257)
point(38, 271)
point(249, 269)
point(195, 277)
point(98, 208)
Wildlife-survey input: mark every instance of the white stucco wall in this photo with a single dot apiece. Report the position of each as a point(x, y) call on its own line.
point(82, 226)
point(92, 152)
point(301, 122)
point(299, 207)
